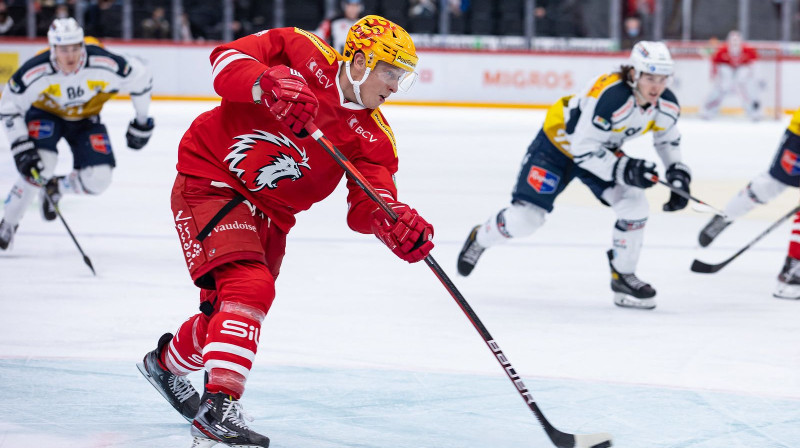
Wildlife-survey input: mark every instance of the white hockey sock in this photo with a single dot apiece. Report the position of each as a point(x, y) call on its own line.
point(88, 180)
point(627, 244)
point(762, 189)
point(18, 200)
point(518, 220)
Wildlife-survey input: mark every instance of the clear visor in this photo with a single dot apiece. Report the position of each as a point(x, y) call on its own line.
point(390, 75)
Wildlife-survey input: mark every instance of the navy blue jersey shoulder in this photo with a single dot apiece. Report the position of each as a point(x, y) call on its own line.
point(612, 99)
point(669, 95)
point(16, 83)
point(123, 69)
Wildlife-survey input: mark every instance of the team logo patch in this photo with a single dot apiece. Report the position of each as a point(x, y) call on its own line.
point(39, 129)
point(789, 163)
point(14, 86)
point(601, 123)
point(100, 143)
point(542, 181)
point(352, 121)
point(283, 158)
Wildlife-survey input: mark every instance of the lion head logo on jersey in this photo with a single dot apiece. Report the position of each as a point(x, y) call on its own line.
point(276, 150)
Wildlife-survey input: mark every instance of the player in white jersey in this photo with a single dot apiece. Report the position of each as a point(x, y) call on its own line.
point(783, 172)
point(335, 29)
point(59, 94)
point(582, 137)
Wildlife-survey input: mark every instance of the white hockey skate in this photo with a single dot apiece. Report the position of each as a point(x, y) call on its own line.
point(629, 290)
point(49, 209)
point(7, 232)
point(788, 286)
point(470, 253)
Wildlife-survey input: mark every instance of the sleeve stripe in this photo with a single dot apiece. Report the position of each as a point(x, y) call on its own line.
point(222, 55)
point(220, 65)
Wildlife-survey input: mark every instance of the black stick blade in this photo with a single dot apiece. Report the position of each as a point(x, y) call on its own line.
point(705, 268)
point(89, 263)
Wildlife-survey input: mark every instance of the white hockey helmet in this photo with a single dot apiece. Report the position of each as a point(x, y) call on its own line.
point(651, 57)
point(64, 32)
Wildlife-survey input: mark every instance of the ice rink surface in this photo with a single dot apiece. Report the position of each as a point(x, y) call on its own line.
point(363, 350)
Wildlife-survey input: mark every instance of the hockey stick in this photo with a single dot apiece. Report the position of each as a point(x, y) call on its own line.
point(559, 439)
point(687, 196)
point(39, 180)
point(705, 268)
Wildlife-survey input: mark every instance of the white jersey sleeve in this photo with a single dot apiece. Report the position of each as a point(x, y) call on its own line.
point(603, 110)
point(666, 136)
point(20, 92)
point(604, 116)
point(76, 96)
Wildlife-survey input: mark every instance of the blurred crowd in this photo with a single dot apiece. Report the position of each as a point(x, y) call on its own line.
point(202, 19)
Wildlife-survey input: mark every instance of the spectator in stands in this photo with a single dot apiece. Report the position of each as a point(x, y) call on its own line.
point(334, 30)
point(188, 31)
point(6, 22)
point(559, 18)
point(422, 8)
point(422, 16)
point(643, 10)
point(156, 26)
point(632, 31)
point(104, 19)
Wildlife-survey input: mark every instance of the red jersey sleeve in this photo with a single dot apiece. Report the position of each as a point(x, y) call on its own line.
point(378, 167)
point(237, 65)
point(360, 206)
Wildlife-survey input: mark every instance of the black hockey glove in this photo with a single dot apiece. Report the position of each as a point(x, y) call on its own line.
point(636, 172)
point(139, 134)
point(678, 175)
point(26, 157)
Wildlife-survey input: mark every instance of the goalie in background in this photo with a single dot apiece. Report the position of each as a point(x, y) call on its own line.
point(57, 94)
point(732, 70)
point(784, 171)
point(582, 137)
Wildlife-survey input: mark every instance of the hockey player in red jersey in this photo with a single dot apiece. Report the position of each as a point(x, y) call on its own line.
point(246, 168)
point(732, 70)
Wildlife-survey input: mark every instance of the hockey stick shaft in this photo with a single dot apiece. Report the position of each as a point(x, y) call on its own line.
point(705, 268)
point(688, 196)
point(559, 439)
point(86, 259)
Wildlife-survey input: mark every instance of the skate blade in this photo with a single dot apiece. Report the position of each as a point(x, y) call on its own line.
point(627, 301)
point(786, 291)
point(151, 380)
point(202, 442)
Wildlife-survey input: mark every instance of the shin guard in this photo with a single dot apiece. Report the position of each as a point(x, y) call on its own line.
point(231, 347)
point(628, 237)
point(794, 240)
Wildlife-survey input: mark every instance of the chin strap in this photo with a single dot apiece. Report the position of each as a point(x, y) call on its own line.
point(356, 84)
point(635, 86)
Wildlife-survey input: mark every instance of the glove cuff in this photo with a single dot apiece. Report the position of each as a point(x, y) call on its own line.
point(619, 169)
point(679, 167)
point(22, 146)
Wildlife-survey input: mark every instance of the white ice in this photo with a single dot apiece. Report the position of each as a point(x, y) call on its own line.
point(363, 350)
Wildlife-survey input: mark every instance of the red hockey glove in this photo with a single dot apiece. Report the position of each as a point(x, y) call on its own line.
point(409, 237)
point(288, 97)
